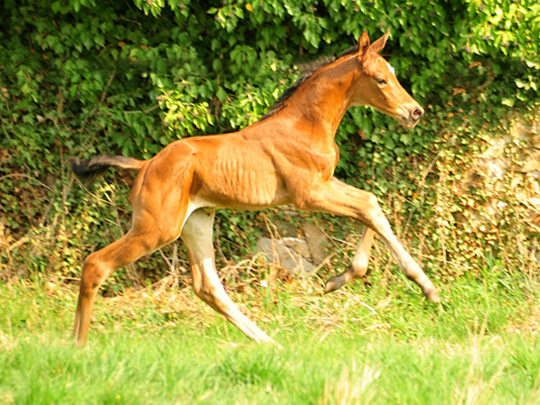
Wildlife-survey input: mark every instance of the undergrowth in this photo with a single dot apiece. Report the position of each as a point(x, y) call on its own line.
point(379, 343)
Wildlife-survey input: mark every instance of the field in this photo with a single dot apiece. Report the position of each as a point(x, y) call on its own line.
point(379, 345)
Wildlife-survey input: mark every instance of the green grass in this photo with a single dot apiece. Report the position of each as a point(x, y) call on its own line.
point(385, 345)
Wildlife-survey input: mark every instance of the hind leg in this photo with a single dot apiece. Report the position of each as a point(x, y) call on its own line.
point(197, 235)
point(100, 265)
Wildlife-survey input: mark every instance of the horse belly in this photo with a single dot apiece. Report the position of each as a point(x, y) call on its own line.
point(244, 182)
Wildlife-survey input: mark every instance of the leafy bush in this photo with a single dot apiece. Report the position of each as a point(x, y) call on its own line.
point(82, 77)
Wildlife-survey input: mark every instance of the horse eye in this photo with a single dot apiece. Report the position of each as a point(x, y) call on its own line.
point(381, 81)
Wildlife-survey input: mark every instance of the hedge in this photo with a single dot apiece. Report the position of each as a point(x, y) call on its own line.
point(84, 77)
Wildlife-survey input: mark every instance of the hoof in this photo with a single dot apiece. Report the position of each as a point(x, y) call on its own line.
point(432, 295)
point(335, 283)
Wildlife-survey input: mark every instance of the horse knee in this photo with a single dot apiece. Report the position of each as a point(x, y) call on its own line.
point(372, 213)
point(371, 200)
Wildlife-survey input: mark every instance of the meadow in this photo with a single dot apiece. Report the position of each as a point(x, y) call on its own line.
point(371, 343)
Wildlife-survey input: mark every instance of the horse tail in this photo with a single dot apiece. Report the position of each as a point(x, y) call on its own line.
point(91, 168)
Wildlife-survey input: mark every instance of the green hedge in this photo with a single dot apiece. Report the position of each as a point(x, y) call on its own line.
point(82, 77)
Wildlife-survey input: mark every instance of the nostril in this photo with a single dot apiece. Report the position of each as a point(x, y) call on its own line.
point(417, 113)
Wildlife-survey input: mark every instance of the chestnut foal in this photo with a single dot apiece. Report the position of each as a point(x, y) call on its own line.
point(289, 156)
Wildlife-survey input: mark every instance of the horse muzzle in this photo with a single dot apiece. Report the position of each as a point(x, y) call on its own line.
point(409, 116)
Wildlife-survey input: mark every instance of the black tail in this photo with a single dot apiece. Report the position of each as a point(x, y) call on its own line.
point(91, 168)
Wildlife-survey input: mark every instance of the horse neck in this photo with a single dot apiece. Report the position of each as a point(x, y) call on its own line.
point(322, 100)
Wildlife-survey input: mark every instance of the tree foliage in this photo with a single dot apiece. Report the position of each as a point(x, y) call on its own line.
point(82, 77)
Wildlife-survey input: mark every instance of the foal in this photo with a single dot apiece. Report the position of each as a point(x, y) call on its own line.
point(289, 156)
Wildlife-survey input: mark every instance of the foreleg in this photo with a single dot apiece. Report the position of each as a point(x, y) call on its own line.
point(338, 198)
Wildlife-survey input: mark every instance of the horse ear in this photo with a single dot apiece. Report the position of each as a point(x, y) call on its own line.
point(363, 44)
point(379, 44)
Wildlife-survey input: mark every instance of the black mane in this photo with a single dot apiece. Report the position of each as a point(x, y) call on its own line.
point(307, 71)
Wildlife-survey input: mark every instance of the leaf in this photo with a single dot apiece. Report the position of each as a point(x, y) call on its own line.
point(311, 37)
point(221, 94)
point(389, 143)
point(508, 102)
point(405, 139)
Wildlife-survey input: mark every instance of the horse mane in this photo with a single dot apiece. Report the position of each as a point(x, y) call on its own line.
point(308, 70)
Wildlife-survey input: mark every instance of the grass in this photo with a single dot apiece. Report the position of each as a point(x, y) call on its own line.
point(384, 345)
